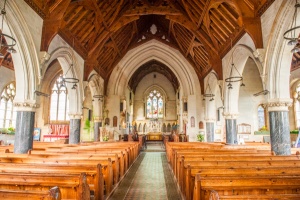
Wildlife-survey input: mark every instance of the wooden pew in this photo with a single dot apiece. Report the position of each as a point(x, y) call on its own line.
point(121, 158)
point(227, 157)
point(235, 171)
point(107, 154)
point(71, 186)
point(196, 155)
point(51, 194)
point(106, 165)
point(245, 185)
point(187, 161)
point(93, 173)
point(107, 160)
point(233, 161)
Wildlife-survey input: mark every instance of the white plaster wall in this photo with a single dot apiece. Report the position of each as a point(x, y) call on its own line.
point(6, 77)
point(267, 20)
point(192, 112)
point(248, 103)
point(113, 108)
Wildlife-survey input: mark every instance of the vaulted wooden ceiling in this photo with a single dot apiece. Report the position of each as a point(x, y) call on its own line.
point(103, 31)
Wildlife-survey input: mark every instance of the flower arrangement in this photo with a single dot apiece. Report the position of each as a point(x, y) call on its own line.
point(105, 135)
point(264, 128)
point(105, 138)
point(11, 130)
point(4, 130)
point(200, 137)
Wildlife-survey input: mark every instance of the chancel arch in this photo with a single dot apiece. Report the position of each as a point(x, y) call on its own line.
point(153, 50)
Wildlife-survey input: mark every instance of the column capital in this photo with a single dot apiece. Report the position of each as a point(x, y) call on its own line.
point(260, 54)
point(228, 115)
point(98, 119)
point(26, 106)
point(75, 115)
point(210, 120)
point(279, 104)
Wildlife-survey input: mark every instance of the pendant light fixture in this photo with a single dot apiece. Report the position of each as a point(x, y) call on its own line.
point(292, 34)
point(208, 93)
point(7, 42)
point(72, 80)
point(233, 78)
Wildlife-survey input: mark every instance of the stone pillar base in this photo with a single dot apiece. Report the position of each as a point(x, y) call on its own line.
point(74, 137)
point(231, 134)
point(24, 132)
point(210, 131)
point(280, 132)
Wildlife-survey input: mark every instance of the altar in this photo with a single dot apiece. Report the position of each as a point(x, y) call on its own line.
point(154, 136)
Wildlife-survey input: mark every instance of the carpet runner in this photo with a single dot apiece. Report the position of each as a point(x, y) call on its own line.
point(149, 178)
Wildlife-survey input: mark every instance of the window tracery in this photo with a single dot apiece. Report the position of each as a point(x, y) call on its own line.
point(7, 112)
point(261, 114)
point(59, 104)
point(155, 105)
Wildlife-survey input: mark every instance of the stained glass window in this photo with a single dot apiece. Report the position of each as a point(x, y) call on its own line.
point(155, 105)
point(7, 113)
point(59, 106)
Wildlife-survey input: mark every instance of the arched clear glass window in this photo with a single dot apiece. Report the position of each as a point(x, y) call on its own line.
point(59, 104)
point(261, 117)
point(297, 105)
point(155, 105)
point(7, 113)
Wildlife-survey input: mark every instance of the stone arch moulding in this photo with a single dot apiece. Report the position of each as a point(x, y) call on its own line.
point(26, 61)
point(241, 54)
point(64, 57)
point(153, 50)
point(278, 56)
point(95, 83)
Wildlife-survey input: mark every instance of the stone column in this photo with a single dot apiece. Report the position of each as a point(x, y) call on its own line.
point(210, 131)
point(24, 127)
point(279, 126)
point(231, 132)
point(75, 122)
point(97, 125)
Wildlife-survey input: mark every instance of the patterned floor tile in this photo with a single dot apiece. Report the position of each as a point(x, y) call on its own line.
point(149, 178)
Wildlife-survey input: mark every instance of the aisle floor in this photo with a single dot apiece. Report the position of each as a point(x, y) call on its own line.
point(148, 178)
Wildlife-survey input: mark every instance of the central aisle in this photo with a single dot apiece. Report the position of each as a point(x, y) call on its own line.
point(149, 178)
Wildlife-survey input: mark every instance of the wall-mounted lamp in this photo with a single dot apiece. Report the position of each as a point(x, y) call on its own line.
point(38, 93)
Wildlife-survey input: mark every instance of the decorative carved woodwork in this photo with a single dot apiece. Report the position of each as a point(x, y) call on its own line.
point(104, 31)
